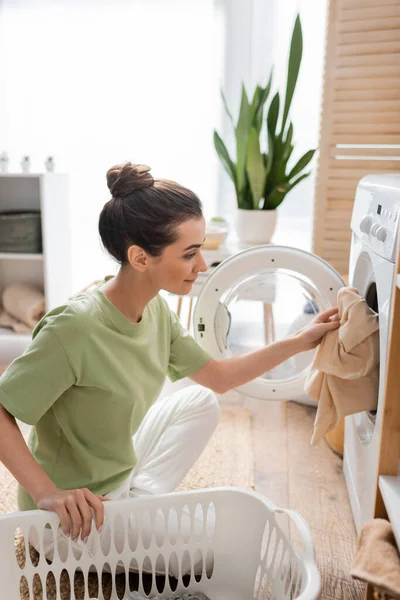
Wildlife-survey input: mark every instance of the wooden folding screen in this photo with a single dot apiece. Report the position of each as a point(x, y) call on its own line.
point(360, 119)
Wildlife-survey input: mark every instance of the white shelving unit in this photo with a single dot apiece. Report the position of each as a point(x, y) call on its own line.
point(49, 271)
point(20, 256)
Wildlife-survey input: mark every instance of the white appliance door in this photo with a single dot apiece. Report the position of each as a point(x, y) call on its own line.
point(261, 295)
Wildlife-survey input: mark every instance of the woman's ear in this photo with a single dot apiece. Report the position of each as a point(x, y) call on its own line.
point(138, 258)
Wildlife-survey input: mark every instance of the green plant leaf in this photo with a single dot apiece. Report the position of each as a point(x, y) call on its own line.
point(254, 108)
point(247, 196)
point(287, 154)
point(270, 155)
point(288, 142)
point(242, 134)
point(288, 149)
point(264, 93)
point(301, 164)
point(255, 120)
point(255, 168)
point(296, 181)
point(255, 102)
point(224, 157)
point(281, 166)
point(276, 196)
point(279, 192)
point(228, 112)
point(278, 167)
point(296, 51)
point(273, 114)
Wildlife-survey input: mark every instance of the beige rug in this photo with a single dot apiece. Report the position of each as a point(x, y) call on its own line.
point(228, 458)
point(227, 461)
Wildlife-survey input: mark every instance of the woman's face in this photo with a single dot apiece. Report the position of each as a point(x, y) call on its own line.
point(177, 268)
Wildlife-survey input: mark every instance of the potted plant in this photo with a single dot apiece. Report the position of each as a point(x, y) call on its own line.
point(25, 164)
point(49, 164)
point(262, 174)
point(4, 160)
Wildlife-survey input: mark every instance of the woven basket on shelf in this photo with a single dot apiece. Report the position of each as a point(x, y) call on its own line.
point(20, 232)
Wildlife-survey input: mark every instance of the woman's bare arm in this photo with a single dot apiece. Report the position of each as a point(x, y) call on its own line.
point(72, 506)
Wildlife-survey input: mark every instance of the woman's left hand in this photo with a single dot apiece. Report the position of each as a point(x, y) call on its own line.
point(311, 335)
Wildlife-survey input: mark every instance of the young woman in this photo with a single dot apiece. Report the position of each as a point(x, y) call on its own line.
point(89, 380)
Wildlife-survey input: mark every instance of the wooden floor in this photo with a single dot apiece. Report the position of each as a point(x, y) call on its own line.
point(310, 480)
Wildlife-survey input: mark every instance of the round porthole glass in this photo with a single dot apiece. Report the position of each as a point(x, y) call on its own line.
point(264, 308)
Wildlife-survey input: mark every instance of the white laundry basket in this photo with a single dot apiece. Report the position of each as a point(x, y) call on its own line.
point(224, 542)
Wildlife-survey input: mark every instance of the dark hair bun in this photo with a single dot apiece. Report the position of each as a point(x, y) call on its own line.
point(124, 179)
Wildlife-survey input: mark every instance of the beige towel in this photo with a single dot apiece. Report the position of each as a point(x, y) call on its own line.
point(24, 302)
point(344, 376)
point(377, 559)
point(9, 322)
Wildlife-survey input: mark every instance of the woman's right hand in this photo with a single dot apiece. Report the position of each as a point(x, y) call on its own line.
point(76, 509)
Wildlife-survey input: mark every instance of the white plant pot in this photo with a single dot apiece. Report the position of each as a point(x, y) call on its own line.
point(255, 226)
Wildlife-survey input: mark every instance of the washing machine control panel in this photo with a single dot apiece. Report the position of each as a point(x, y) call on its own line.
point(376, 214)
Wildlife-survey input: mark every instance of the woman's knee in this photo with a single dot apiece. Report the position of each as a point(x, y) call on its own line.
point(194, 401)
point(208, 400)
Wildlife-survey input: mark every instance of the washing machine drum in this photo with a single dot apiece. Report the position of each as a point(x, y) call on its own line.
point(259, 296)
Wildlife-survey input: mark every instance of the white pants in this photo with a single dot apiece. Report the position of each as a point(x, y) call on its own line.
point(171, 437)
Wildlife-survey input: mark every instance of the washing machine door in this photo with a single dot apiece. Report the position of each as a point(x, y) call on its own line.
point(259, 296)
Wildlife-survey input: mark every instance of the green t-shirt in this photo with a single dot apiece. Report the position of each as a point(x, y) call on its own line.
point(87, 380)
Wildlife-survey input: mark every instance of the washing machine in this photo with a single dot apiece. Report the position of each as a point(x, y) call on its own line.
point(372, 270)
point(266, 293)
point(261, 295)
